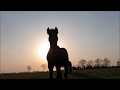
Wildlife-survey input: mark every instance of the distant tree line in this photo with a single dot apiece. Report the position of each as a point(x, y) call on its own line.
point(29, 68)
point(84, 64)
point(98, 63)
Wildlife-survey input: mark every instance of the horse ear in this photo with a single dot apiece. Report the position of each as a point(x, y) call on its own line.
point(56, 30)
point(48, 30)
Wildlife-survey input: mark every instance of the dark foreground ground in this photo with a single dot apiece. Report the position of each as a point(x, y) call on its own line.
point(101, 73)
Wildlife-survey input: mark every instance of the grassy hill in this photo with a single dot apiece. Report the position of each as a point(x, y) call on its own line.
point(100, 73)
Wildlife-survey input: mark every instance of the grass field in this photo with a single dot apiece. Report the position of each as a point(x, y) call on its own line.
point(101, 73)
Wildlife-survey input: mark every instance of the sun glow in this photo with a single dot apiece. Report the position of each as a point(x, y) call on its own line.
point(43, 50)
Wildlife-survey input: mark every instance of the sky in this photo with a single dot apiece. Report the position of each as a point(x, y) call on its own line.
point(85, 34)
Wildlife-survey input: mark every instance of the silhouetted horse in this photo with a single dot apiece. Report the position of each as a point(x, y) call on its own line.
point(69, 67)
point(56, 56)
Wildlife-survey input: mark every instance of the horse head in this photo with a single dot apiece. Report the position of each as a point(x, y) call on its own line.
point(53, 38)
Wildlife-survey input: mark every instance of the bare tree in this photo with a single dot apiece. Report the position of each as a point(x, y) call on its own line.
point(44, 66)
point(90, 63)
point(82, 63)
point(106, 62)
point(29, 68)
point(118, 62)
point(98, 62)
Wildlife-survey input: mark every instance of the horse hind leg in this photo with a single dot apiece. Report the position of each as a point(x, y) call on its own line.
point(66, 72)
point(70, 69)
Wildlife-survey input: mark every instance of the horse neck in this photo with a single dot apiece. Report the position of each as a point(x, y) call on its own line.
point(53, 42)
point(53, 46)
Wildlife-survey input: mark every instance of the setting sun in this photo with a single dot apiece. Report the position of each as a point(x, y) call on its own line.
point(44, 49)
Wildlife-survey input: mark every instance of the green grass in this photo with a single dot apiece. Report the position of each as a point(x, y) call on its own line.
point(101, 73)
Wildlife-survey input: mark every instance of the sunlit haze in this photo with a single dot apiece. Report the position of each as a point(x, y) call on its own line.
point(44, 48)
point(85, 34)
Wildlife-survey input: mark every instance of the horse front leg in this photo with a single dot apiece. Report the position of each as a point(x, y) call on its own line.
point(59, 73)
point(51, 72)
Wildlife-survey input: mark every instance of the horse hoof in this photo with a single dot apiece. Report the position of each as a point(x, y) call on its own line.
point(58, 78)
point(50, 78)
